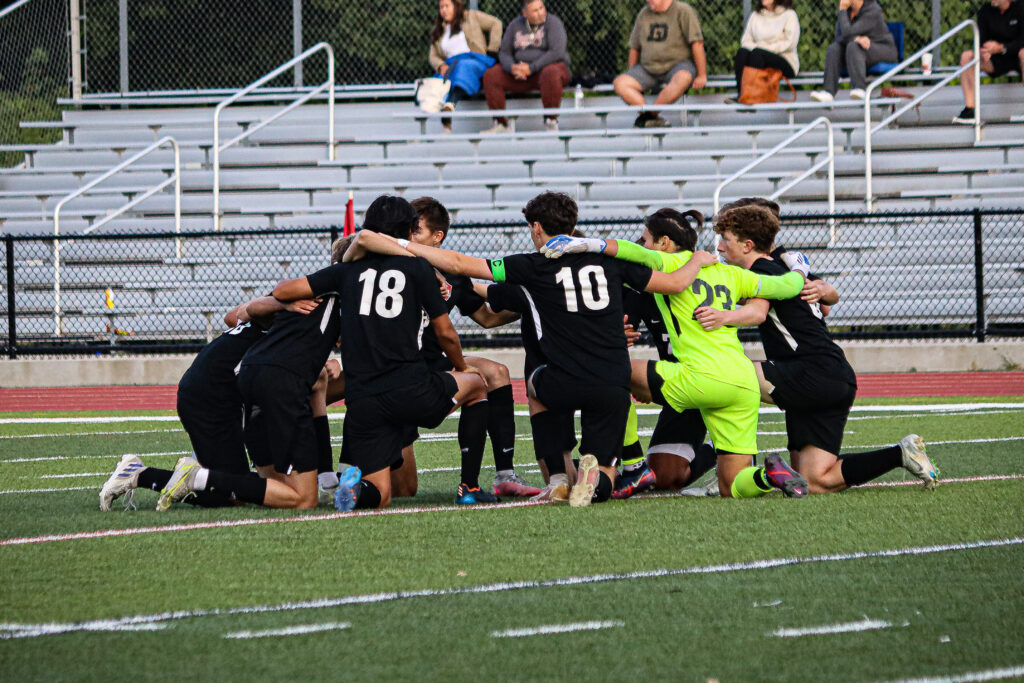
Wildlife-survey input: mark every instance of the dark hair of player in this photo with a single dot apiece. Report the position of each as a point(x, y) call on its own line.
point(339, 247)
point(754, 223)
point(432, 214)
point(555, 211)
point(676, 226)
point(753, 201)
point(391, 215)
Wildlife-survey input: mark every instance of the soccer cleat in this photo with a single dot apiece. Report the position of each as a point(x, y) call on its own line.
point(917, 462)
point(966, 115)
point(822, 96)
point(630, 483)
point(345, 496)
point(586, 481)
point(783, 477)
point(124, 480)
point(181, 483)
point(709, 490)
point(513, 485)
point(557, 490)
point(465, 495)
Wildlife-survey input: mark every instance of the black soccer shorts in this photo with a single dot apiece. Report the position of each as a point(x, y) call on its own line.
point(278, 427)
point(816, 403)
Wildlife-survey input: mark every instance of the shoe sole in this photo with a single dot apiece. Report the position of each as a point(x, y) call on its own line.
point(167, 497)
point(926, 470)
point(344, 501)
point(583, 492)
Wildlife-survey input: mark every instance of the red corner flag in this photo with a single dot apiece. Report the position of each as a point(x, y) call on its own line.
point(350, 217)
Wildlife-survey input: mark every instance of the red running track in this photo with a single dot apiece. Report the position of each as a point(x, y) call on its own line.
point(163, 397)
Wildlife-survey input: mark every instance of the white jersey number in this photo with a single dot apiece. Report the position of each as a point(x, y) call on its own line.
point(593, 287)
point(387, 301)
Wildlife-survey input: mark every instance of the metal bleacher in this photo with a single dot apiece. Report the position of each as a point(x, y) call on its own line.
point(280, 177)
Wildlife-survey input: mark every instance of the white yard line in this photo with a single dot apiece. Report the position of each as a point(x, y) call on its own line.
point(850, 627)
point(118, 433)
point(60, 490)
point(988, 675)
point(556, 628)
point(8, 631)
point(289, 631)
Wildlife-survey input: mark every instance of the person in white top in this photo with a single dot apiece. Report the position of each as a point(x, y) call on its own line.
point(769, 41)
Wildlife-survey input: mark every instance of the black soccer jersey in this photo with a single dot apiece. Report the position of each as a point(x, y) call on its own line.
point(642, 306)
point(381, 319)
point(513, 298)
point(300, 343)
point(576, 303)
point(795, 329)
point(468, 302)
point(211, 377)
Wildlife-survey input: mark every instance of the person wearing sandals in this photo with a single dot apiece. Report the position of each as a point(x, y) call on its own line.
point(459, 45)
point(769, 42)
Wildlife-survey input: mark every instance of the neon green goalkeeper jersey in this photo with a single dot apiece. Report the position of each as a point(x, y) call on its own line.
point(717, 353)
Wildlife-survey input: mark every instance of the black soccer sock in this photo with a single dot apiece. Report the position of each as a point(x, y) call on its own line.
point(248, 488)
point(472, 436)
point(501, 425)
point(211, 498)
point(324, 455)
point(154, 478)
point(858, 468)
point(603, 490)
point(704, 459)
point(633, 457)
point(546, 439)
point(367, 495)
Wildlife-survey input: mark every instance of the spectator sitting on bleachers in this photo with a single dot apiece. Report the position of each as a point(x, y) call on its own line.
point(861, 39)
point(769, 41)
point(457, 49)
point(666, 50)
point(1001, 29)
point(533, 56)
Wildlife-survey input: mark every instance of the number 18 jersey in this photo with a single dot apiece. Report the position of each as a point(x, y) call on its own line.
point(382, 299)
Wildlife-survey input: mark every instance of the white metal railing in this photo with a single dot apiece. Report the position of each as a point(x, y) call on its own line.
point(829, 159)
point(868, 130)
point(327, 85)
point(175, 178)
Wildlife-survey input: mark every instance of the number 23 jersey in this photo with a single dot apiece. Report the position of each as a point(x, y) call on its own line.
point(382, 299)
point(576, 306)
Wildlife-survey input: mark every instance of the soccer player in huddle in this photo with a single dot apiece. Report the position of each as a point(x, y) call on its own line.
point(806, 373)
point(209, 407)
point(388, 385)
point(576, 307)
point(711, 372)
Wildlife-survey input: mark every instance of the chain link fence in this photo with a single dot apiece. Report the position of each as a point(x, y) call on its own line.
point(908, 275)
point(198, 44)
point(34, 70)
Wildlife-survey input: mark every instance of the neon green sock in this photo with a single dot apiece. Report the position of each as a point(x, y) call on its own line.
point(631, 438)
point(750, 483)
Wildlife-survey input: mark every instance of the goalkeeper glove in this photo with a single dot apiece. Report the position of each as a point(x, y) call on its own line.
point(797, 262)
point(564, 244)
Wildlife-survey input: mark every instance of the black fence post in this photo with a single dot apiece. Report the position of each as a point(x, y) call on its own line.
point(12, 334)
point(979, 279)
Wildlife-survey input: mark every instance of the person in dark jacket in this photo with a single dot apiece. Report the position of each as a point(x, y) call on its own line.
point(862, 39)
point(1001, 29)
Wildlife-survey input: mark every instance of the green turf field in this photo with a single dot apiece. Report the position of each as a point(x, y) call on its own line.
point(879, 583)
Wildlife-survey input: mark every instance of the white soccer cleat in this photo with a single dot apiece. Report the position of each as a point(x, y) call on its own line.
point(124, 480)
point(181, 483)
point(557, 490)
point(586, 482)
point(917, 462)
point(709, 490)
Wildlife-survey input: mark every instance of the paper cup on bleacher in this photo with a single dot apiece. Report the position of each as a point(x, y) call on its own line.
point(926, 63)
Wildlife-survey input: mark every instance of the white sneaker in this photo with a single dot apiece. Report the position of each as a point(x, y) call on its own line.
point(709, 490)
point(124, 480)
point(917, 462)
point(822, 96)
point(181, 483)
point(497, 128)
point(586, 482)
point(551, 124)
point(557, 490)
point(857, 94)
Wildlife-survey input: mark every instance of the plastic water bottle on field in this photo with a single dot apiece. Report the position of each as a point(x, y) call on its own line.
point(578, 97)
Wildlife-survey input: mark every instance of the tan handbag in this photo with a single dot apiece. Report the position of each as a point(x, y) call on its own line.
point(762, 85)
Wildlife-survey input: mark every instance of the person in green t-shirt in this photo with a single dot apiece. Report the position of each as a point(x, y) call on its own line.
point(666, 51)
point(711, 373)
